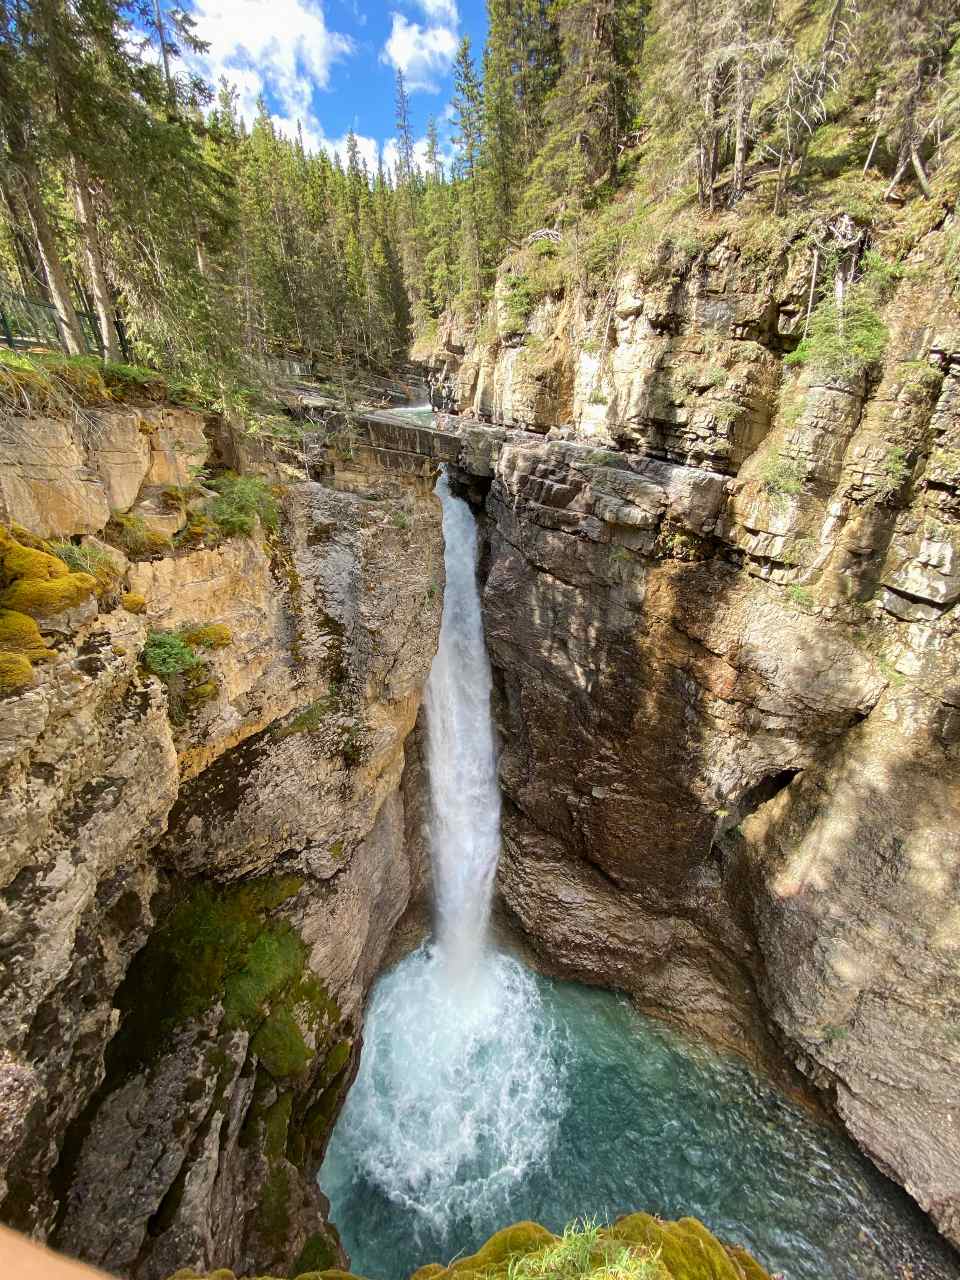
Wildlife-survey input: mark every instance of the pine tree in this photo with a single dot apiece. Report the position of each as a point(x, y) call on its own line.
point(501, 159)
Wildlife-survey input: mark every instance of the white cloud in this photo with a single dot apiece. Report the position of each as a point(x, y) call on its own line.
point(283, 49)
point(421, 53)
point(443, 11)
point(391, 154)
point(368, 148)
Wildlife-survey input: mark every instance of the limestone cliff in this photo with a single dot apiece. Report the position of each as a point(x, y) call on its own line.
point(202, 871)
point(721, 607)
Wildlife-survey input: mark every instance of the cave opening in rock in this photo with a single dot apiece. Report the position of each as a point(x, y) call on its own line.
point(487, 1094)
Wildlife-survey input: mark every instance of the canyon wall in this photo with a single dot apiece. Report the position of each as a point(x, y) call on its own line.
point(200, 873)
point(720, 603)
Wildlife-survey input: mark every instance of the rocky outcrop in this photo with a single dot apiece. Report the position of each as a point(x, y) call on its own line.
point(638, 1244)
point(720, 607)
point(201, 873)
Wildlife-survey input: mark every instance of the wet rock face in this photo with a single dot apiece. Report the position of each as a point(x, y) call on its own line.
point(197, 892)
point(726, 657)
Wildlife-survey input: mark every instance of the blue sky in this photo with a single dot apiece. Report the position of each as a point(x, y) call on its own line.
point(331, 63)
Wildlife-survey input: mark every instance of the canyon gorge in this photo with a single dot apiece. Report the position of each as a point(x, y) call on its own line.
point(718, 592)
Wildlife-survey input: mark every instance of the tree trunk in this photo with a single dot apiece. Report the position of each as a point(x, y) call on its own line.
point(29, 266)
point(71, 334)
point(740, 145)
point(94, 259)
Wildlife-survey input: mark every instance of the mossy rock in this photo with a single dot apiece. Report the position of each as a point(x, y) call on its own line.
point(132, 536)
point(16, 673)
point(512, 1242)
point(317, 1256)
point(280, 1046)
point(211, 946)
point(44, 597)
point(687, 1250)
point(36, 583)
point(213, 635)
point(19, 561)
point(205, 691)
point(28, 539)
point(200, 531)
point(133, 603)
point(19, 633)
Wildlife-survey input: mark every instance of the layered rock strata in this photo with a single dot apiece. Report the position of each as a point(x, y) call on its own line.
point(201, 874)
point(720, 604)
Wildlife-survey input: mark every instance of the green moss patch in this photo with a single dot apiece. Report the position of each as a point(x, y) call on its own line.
point(280, 1046)
point(211, 946)
point(273, 1214)
point(318, 1254)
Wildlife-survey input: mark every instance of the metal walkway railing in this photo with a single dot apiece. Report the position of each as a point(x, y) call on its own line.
point(31, 322)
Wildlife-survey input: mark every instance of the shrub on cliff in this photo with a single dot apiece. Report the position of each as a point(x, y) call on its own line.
point(240, 501)
point(166, 654)
point(131, 534)
point(842, 344)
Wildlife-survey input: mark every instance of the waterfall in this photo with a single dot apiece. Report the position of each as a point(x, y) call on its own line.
point(465, 798)
point(460, 1089)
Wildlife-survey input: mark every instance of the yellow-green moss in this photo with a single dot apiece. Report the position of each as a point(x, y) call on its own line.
point(28, 539)
point(687, 1250)
point(16, 673)
point(213, 635)
point(41, 597)
point(37, 583)
point(205, 691)
point(131, 534)
point(26, 562)
point(20, 634)
point(91, 559)
point(200, 531)
point(637, 1247)
point(133, 603)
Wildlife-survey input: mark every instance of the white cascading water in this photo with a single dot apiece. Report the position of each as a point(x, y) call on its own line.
point(461, 759)
point(459, 1092)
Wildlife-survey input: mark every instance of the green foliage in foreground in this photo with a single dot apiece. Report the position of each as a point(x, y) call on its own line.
point(636, 1247)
